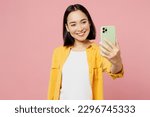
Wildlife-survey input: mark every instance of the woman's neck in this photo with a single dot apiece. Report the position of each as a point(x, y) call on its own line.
point(80, 46)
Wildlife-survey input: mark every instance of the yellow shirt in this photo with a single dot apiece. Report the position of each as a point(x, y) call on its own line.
point(97, 65)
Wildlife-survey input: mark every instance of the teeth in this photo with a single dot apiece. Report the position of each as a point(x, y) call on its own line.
point(80, 34)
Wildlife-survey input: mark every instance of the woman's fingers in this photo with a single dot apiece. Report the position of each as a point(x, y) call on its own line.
point(117, 44)
point(113, 47)
point(109, 50)
point(106, 46)
point(109, 43)
point(105, 52)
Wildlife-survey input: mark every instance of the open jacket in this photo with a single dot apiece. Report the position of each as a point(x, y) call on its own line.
point(97, 65)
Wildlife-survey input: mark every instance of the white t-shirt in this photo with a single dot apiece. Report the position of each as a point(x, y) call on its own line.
point(75, 77)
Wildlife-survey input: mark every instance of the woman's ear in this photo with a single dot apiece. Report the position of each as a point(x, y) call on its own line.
point(67, 27)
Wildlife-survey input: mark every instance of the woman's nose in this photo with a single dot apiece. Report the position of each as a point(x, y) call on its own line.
point(79, 28)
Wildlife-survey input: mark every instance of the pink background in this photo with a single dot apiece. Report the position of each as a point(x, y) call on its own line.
point(31, 29)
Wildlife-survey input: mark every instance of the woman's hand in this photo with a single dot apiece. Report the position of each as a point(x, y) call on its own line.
point(112, 53)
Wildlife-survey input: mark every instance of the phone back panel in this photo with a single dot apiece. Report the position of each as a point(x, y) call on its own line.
point(108, 32)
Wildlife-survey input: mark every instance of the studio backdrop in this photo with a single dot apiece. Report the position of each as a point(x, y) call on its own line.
point(31, 29)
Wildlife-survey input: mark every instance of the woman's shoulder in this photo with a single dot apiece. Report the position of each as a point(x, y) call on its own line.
point(58, 48)
point(94, 45)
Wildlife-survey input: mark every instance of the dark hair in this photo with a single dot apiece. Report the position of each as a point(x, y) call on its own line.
point(68, 39)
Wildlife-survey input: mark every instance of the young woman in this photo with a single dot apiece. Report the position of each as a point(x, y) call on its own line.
point(77, 66)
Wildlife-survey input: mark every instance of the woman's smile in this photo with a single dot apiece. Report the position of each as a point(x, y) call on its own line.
point(78, 25)
point(81, 33)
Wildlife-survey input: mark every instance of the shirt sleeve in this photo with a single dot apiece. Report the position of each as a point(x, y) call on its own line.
point(53, 76)
point(106, 66)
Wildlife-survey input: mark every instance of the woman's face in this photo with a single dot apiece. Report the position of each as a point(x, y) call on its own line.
point(78, 25)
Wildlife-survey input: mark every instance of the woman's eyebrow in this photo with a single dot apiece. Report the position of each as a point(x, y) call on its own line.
point(80, 20)
point(83, 19)
point(72, 22)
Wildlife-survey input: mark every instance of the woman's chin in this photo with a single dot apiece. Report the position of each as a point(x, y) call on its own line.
point(81, 38)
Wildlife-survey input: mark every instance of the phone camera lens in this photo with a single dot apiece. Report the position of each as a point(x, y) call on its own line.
point(104, 30)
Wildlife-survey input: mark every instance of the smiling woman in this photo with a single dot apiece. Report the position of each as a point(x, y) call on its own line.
point(77, 24)
point(77, 66)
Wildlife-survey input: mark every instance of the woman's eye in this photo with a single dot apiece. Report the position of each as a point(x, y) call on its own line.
point(84, 22)
point(73, 25)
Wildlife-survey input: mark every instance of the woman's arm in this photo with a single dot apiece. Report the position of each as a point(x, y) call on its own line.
point(112, 53)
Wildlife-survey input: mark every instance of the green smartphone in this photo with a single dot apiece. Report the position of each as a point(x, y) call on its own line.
point(108, 33)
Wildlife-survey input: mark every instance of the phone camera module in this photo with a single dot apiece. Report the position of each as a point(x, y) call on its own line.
point(104, 30)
